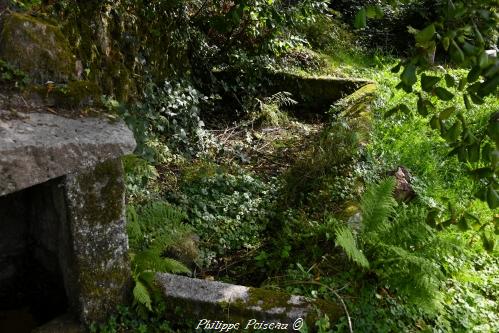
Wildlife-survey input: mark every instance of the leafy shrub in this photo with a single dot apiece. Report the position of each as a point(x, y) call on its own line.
point(173, 113)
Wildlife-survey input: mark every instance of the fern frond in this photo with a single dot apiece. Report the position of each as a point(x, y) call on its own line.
point(377, 205)
point(133, 226)
point(141, 295)
point(169, 265)
point(281, 98)
point(346, 240)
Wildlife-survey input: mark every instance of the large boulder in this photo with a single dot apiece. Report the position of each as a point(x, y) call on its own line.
point(37, 47)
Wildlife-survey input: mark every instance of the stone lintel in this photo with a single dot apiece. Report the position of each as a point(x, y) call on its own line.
point(36, 147)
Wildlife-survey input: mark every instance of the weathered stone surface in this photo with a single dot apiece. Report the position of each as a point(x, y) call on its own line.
point(36, 47)
point(201, 299)
point(36, 147)
point(98, 267)
point(316, 93)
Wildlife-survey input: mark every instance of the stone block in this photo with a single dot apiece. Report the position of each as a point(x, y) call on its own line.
point(195, 299)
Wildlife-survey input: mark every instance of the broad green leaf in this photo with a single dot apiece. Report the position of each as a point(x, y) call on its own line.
point(474, 153)
point(463, 224)
point(445, 114)
point(450, 81)
point(470, 49)
point(446, 43)
point(435, 123)
point(476, 99)
point(493, 70)
point(404, 109)
point(428, 82)
point(422, 108)
point(454, 132)
point(391, 112)
point(408, 76)
point(456, 53)
point(396, 69)
point(488, 241)
point(467, 103)
point(483, 61)
point(426, 34)
point(443, 94)
point(488, 87)
point(360, 19)
point(371, 11)
point(493, 127)
point(474, 74)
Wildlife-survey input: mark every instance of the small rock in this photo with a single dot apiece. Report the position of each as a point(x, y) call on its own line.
point(403, 188)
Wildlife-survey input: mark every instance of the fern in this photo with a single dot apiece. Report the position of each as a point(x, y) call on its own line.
point(281, 98)
point(151, 230)
point(377, 205)
point(345, 239)
point(141, 295)
point(398, 245)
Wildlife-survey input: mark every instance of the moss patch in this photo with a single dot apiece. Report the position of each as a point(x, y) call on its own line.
point(102, 187)
point(36, 47)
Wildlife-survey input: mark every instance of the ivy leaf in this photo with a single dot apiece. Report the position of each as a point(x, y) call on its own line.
point(443, 94)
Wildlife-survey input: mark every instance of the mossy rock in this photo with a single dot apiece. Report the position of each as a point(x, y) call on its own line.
point(36, 47)
point(75, 94)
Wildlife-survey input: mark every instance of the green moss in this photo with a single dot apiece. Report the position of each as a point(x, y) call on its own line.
point(355, 103)
point(103, 185)
point(36, 47)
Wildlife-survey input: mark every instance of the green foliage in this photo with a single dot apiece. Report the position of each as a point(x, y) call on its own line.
point(377, 205)
point(460, 29)
point(152, 229)
point(11, 75)
point(345, 239)
point(398, 246)
point(227, 210)
point(172, 113)
point(139, 174)
point(322, 175)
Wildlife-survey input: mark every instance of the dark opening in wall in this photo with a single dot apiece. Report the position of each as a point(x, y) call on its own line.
point(32, 288)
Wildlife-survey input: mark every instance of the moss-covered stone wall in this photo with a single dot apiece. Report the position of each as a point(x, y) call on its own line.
point(122, 44)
